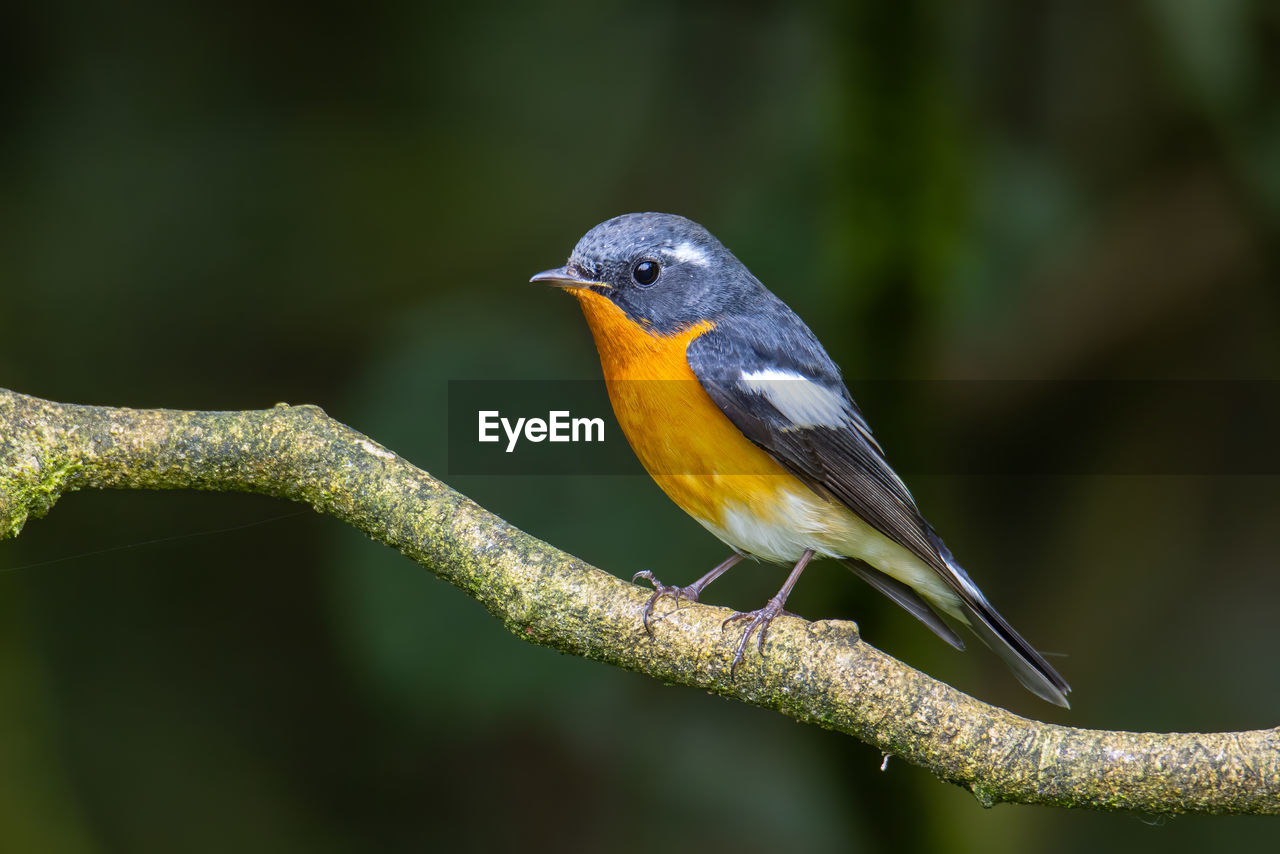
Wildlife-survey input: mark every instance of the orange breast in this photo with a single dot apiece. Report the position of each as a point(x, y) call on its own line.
point(692, 450)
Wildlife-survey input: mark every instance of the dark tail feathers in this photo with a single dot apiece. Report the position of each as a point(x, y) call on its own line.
point(1029, 666)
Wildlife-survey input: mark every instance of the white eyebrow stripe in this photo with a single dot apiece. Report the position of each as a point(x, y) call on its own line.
point(687, 253)
point(804, 402)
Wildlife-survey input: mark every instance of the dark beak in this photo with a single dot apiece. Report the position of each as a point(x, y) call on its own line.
point(564, 277)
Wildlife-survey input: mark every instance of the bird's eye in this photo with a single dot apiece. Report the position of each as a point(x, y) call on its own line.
point(645, 272)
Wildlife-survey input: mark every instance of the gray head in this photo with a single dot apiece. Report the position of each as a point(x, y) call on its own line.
point(660, 269)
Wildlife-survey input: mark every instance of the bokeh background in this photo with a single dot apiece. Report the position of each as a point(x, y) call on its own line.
point(222, 206)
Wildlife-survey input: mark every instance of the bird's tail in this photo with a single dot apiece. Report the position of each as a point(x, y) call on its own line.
point(1036, 674)
point(1029, 666)
point(973, 608)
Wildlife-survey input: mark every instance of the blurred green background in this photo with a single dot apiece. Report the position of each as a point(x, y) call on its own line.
point(222, 206)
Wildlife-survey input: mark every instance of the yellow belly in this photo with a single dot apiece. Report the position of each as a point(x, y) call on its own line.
point(690, 448)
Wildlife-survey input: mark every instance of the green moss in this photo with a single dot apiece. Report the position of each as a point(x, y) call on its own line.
point(32, 492)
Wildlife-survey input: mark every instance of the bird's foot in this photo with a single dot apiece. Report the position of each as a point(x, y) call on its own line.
point(689, 594)
point(759, 626)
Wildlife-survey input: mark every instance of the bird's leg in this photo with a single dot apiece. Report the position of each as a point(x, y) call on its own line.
point(690, 593)
point(760, 619)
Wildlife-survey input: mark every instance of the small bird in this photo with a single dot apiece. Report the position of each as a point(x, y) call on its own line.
point(740, 416)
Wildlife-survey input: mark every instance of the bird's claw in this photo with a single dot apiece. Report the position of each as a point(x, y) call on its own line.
point(660, 590)
point(760, 620)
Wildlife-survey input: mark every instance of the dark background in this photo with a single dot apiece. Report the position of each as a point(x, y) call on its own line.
point(229, 205)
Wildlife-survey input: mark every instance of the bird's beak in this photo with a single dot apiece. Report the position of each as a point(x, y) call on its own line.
point(565, 277)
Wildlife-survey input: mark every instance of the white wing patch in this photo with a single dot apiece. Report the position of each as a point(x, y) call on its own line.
point(804, 402)
point(687, 253)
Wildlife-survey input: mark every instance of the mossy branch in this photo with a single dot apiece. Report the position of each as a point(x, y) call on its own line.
point(819, 672)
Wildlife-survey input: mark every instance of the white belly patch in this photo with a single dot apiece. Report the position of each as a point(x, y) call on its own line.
point(803, 520)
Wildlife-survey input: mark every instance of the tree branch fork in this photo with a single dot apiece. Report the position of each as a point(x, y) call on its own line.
point(820, 673)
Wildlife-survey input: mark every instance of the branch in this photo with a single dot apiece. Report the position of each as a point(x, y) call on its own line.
point(818, 672)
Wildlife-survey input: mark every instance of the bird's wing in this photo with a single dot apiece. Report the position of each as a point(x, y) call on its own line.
point(787, 397)
point(778, 386)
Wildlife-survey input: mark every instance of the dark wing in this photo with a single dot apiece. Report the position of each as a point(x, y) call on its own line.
point(785, 394)
point(777, 385)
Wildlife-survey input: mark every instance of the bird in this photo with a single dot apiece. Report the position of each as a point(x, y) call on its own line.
point(738, 414)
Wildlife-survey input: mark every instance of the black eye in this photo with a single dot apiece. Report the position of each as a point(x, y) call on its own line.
point(645, 272)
